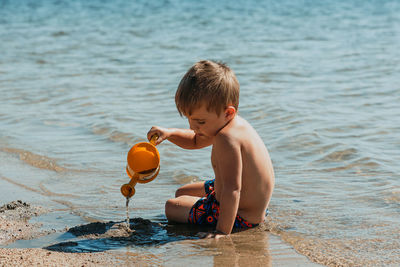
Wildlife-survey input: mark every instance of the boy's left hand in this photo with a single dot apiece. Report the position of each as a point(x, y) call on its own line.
point(215, 235)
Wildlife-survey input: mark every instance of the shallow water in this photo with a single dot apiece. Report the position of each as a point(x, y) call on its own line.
point(155, 244)
point(81, 82)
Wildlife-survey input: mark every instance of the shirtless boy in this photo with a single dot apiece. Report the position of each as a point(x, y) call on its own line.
point(208, 95)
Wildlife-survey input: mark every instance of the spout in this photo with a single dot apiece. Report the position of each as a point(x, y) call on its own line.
point(128, 190)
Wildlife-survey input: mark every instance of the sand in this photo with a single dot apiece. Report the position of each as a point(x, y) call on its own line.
point(14, 224)
point(42, 257)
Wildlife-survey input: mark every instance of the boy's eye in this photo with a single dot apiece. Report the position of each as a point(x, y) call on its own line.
point(201, 122)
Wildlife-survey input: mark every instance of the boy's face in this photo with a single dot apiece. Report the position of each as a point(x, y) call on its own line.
point(208, 124)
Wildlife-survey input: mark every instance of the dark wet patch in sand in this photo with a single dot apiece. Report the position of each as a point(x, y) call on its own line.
point(102, 236)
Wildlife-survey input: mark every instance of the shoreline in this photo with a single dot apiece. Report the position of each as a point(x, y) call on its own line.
point(269, 250)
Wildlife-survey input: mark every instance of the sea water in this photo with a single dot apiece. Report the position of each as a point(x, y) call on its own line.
point(82, 81)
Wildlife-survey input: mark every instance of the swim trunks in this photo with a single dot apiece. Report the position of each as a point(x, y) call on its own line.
point(206, 210)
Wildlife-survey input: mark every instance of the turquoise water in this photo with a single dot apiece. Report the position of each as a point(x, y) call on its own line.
point(82, 81)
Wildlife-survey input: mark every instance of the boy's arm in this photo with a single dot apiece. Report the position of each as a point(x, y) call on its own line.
point(184, 138)
point(229, 164)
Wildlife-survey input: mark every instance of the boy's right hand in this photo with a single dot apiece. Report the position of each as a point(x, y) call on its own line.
point(163, 133)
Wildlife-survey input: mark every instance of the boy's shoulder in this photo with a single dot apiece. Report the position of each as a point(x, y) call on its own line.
point(235, 131)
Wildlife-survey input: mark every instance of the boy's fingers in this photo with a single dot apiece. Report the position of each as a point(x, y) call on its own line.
point(151, 133)
point(202, 235)
point(155, 130)
point(159, 140)
point(217, 236)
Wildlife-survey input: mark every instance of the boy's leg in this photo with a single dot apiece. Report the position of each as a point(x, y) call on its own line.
point(195, 190)
point(177, 209)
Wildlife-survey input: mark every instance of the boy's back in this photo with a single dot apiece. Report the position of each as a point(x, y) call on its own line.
point(257, 175)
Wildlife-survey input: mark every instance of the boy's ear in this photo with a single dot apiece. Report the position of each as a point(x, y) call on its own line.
point(230, 112)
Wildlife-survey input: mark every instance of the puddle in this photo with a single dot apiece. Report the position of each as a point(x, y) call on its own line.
point(41, 241)
point(102, 236)
point(48, 231)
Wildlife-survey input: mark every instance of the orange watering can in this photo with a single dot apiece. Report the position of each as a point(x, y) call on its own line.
point(143, 165)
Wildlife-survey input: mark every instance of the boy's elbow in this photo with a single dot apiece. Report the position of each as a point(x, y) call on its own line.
point(235, 187)
point(236, 193)
point(233, 193)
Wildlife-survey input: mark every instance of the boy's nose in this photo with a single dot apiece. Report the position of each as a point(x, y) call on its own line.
point(194, 128)
point(191, 126)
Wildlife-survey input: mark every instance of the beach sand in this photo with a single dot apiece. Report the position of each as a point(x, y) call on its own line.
point(42, 257)
point(266, 249)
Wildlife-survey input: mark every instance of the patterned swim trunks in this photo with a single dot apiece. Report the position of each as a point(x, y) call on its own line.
point(206, 210)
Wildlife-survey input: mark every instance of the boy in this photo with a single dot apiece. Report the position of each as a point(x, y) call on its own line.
point(208, 95)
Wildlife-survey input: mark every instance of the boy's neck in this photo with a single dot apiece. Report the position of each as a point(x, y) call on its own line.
point(227, 123)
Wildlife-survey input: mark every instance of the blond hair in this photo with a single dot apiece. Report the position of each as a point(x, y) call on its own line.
point(210, 83)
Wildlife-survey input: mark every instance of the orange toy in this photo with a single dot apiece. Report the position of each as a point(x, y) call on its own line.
point(143, 165)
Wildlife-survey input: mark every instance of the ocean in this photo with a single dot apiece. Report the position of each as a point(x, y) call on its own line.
point(83, 81)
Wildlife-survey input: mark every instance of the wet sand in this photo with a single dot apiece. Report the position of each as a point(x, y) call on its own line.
point(42, 257)
point(14, 222)
point(94, 246)
point(15, 225)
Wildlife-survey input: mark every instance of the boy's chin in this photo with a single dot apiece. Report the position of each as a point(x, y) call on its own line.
point(202, 135)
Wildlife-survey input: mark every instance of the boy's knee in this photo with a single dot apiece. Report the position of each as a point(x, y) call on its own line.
point(171, 209)
point(177, 209)
point(171, 205)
